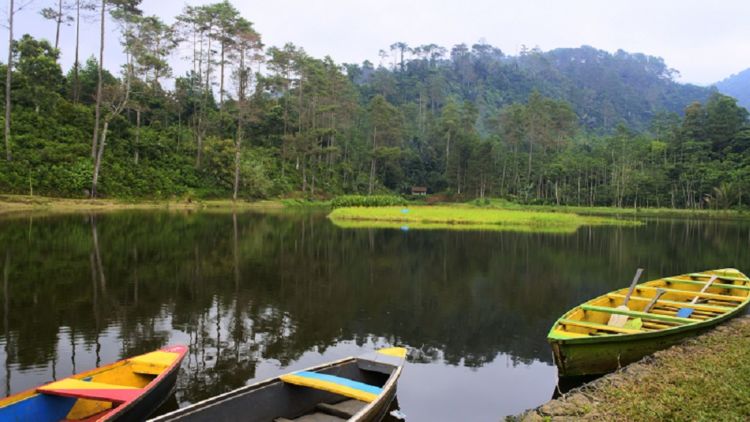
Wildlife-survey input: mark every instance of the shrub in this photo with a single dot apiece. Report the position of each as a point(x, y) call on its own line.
point(367, 201)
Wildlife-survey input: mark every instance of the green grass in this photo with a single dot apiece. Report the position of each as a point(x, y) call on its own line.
point(612, 211)
point(707, 380)
point(466, 217)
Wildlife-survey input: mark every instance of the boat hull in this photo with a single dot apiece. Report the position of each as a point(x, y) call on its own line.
point(586, 358)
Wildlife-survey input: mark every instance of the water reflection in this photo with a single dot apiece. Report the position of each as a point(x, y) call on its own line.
point(257, 295)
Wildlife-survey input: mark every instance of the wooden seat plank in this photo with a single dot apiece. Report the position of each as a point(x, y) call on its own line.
point(676, 304)
point(71, 387)
point(691, 294)
point(331, 383)
point(597, 326)
point(720, 277)
point(636, 314)
point(701, 283)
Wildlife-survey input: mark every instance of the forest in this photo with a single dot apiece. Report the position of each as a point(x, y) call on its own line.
point(575, 126)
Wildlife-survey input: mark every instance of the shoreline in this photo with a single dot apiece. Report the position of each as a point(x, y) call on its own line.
point(701, 378)
point(13, 204)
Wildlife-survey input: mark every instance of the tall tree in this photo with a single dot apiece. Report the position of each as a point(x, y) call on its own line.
point(8, 79)
point(59, 15)
point(386, 124)
point(248, 48)
point(80, 6)
point(129, 7)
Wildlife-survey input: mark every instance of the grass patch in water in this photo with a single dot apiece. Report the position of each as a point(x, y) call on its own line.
point(465, 217)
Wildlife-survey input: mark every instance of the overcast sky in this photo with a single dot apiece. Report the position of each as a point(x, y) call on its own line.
point(705, 41)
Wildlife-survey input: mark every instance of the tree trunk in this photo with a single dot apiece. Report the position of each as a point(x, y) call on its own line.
point(372, 176)
point(137, 133)
point(221, 83)
point(98, 159)
point(59, 22)
point(237, 155)
point(8, 78)
point(76, 63)
point(97, 110)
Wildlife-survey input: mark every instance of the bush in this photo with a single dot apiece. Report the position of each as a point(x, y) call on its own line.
point(367, 201)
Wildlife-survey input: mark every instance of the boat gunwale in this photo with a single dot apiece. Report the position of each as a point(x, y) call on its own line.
point(616, 338)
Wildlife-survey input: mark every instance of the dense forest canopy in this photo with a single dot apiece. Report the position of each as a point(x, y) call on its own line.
point(574, 126)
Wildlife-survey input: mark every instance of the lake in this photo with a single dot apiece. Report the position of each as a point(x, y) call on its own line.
point(256, 295)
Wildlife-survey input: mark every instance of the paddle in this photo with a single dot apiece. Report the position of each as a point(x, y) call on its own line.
point(616, 320)
point(686, 312)
point(637, 323)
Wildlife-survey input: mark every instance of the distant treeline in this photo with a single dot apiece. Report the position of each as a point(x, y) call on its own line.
point(569, 126)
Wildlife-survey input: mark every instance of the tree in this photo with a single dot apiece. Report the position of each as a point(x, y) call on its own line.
point(58, 15)
point(117, 95)
point(8, 78)
point(248, 47)
point(115, 100)
point(125, 8)
point(39, 77)
point(385, 132)
point(228, 22)
point(81, 5)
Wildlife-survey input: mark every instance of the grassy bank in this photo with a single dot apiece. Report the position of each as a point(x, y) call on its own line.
point(466, 217)
point(702, 379)
point(614, 211)
point(23, 203)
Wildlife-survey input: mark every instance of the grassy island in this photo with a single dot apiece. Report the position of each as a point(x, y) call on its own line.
point(467, 218)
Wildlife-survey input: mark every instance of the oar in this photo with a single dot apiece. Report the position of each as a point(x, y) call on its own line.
point(617, 320)
point(637, 323)
point(686, 312)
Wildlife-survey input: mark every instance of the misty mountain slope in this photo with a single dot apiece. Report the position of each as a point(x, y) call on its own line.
point(738, 86)
point(604, 89)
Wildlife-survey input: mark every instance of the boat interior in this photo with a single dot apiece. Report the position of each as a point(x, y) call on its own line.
point(724, 294)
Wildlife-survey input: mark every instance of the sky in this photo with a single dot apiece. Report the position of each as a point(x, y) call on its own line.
point(705, 41)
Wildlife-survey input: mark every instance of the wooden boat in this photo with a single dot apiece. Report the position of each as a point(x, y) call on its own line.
point(130, 389)
point(584, 344)
point(355, 389)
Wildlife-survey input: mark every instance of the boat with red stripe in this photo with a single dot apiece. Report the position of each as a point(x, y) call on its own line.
point(130, 389)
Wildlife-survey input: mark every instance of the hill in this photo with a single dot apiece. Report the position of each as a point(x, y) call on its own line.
point(737, 86)
point(604, 89)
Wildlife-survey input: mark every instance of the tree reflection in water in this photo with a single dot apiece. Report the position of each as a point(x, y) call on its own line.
point(247, 289)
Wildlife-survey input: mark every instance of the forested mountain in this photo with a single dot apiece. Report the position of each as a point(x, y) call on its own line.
point(737, 86)
point(604, 89)
point(569, 126)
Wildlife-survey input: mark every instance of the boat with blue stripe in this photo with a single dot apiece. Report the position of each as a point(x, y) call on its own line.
point(357, 389)
point(130, 389)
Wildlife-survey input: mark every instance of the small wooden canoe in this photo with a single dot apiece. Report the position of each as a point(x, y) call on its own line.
point(583, 343)
point(130, 389)
point(355, 389)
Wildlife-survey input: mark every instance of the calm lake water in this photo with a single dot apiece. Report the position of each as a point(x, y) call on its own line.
point(257, 295)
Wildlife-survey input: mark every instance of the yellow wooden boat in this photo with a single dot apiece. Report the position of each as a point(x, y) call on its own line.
point(584, 344)
point(130, 389)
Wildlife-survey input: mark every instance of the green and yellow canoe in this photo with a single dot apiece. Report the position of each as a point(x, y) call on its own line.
point(584, 344)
